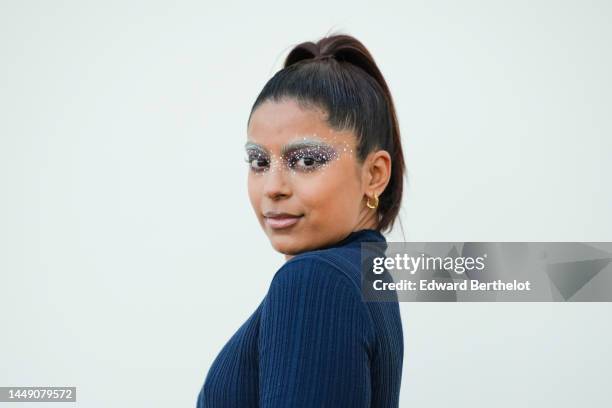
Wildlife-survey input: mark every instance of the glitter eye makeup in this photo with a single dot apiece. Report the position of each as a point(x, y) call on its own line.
point(301, 156)
point(257, 159)
point(308, 156)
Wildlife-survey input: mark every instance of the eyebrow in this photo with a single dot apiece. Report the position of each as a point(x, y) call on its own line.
point(290, 146)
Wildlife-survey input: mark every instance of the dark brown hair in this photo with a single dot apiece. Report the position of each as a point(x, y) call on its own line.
point(339, 75)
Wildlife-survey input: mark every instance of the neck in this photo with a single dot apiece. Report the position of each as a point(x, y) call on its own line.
point(369, 223)
point(368, 220)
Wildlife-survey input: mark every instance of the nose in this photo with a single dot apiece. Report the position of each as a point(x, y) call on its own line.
point(276, 185)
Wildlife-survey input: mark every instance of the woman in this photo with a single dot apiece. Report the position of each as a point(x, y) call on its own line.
point(325, 174)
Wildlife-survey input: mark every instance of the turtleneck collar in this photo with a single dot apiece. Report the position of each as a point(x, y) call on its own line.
point(355, 238)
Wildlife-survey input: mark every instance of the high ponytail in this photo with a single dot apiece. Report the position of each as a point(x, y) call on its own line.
point(338, 74)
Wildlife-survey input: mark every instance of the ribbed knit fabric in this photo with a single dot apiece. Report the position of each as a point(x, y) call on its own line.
point(312, 342)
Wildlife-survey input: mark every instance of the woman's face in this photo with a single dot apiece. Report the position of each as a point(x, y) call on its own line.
point(305, 184)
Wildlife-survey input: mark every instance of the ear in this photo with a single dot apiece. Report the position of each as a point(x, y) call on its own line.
point(377, 172)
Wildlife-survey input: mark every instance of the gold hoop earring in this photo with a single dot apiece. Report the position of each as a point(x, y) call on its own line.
point(375, 204)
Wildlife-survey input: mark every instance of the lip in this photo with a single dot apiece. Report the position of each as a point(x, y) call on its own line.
point(280, 220)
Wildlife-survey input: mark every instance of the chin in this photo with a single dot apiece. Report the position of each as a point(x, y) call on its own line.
point(287, 245)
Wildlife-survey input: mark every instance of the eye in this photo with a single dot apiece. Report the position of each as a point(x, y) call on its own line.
point(305, 162)
point(309, 159)
point(257, 162)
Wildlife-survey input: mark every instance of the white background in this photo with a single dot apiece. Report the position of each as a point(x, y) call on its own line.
point(129, 253)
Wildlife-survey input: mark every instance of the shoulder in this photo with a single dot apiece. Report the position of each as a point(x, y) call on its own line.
point(314, 269)
point(313, 287)
point(315, 280)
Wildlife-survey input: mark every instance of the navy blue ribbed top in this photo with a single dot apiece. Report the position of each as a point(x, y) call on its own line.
point(313, 341)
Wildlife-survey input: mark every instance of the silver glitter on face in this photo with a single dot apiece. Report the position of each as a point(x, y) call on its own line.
point(304, 155)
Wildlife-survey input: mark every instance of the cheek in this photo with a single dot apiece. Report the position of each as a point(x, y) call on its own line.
point(330, 196)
